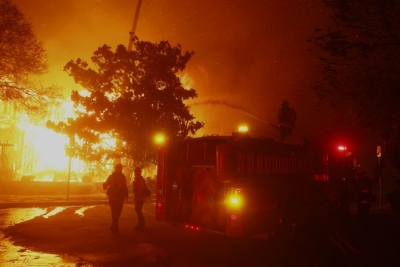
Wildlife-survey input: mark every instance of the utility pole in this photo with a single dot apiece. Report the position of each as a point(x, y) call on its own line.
point(71, 144)
point(132, 32)
point(379, 155)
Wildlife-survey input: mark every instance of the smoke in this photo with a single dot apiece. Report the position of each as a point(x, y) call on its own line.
point(229, 105)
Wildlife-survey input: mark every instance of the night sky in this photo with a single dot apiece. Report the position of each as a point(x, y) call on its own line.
point(249, 55)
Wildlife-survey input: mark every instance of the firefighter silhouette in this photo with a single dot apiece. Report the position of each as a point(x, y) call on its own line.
point(363, 193)
point(286, 119)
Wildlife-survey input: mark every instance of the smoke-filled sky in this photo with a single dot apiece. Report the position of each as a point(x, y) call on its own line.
point(249, 54)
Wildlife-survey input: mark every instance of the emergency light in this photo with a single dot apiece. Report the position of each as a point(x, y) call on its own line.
point(235, 201)
point(159, 139)
point(243, 129)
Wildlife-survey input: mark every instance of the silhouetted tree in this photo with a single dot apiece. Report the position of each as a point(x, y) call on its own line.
point(132, 96)
point(360, 63)
point(21, 56)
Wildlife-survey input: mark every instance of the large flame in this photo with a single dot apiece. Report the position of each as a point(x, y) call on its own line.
point(41, 152)
point(44, 151)
point(47, 147)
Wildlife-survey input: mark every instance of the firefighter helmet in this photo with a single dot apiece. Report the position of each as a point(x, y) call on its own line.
point(119, 166)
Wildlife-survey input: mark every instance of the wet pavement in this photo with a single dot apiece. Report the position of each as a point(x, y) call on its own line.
point(15, 209)
point(13, 255)
point(56, 231)
point(47, 219)
point(18, 201)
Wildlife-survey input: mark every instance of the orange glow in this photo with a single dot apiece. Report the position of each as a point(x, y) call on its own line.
point(187, 81)
point(107, 141)
point(41, 153)
point(47, 147)
point(42, 150)
point(215, 72)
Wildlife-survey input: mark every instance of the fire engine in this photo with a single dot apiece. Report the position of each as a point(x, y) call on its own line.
point(240, 185)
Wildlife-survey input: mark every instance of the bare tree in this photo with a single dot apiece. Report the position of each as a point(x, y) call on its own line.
point(360, 64)
point(21, 57)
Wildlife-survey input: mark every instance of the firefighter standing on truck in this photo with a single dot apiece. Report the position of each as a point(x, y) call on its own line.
point(286, 119)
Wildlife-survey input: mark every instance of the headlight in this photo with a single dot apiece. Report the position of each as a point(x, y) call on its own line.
point(234, 201)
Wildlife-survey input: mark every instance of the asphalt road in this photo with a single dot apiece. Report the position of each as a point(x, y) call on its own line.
point(79, 236)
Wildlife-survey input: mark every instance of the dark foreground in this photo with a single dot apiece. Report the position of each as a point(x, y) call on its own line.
point(80, 236)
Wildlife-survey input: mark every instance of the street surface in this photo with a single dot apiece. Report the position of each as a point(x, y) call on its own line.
point(78, 235)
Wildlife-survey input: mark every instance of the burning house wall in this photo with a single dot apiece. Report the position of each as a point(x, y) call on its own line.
point(31, 151)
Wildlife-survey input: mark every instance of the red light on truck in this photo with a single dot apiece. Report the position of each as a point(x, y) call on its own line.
point(342, 148)
point(192, 227)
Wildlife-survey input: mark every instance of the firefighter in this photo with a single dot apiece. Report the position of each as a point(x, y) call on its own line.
point(363, 193)
point(343, 199)
point(139, 185)
point(286, 119)
point(393, 197)
point(117, 192)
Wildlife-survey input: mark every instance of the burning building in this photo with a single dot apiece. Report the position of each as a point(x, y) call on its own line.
point(30, 151)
